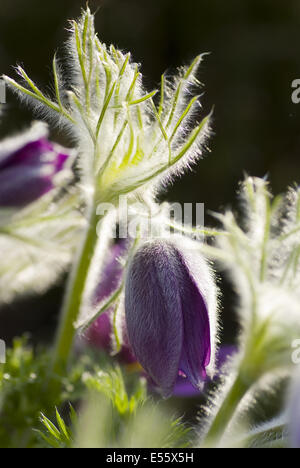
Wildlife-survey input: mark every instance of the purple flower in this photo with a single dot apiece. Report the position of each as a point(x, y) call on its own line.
point(170, 306)
point(28, 165)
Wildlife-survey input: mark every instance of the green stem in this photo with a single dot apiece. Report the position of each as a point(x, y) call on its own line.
point(226, 411)
point(73, 297)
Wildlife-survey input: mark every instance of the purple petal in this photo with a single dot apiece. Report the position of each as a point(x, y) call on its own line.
point(22, 185)
point(184, 388)
point(30, 154)
point(196, 351)
point(27, 170)
point(154, 314)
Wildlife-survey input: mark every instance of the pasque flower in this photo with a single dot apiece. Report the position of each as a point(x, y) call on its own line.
point(28, 166)
point(170, 307)
point(100, 333)
point(128, 143)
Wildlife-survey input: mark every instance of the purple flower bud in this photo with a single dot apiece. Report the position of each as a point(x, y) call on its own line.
point(170, 306)
point(28, 165)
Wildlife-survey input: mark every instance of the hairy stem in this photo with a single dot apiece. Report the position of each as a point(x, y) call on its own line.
point(73, 297)
point(226, 411)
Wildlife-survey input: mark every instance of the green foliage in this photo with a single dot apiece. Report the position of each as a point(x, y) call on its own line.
point(21, 394)
point(57, 436)
point(112, 385)
point(112, 408)
point(113, 416)
point(23, 381)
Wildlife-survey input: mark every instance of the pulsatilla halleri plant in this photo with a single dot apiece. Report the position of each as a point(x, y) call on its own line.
point(155, 300)
point(128, 143)
point(261, 254)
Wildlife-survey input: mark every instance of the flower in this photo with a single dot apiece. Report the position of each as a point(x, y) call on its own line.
point(100, 332)
point(171, 312)
point(28, 166)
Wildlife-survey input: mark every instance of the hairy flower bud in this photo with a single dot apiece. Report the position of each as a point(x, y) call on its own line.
point(170, 306)
point(28, 165)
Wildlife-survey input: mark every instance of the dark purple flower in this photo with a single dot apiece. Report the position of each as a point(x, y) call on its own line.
point(170, 306)
point(28, 165)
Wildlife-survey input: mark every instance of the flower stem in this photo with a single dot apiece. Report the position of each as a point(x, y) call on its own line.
point(73, 297)
point(226, 411)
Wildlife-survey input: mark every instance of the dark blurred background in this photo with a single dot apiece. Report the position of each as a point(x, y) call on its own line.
point(255, 56)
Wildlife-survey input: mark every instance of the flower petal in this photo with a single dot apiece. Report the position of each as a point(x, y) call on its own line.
point(196, 350)
point(28, 164)
point(22, 185)
point(153, 313)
